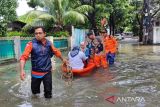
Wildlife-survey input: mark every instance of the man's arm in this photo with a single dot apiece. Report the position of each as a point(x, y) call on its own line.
point(57, 53)
point(22, 72)
point(23, 59)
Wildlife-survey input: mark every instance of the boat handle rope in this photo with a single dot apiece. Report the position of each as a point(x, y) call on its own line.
point(67, 76)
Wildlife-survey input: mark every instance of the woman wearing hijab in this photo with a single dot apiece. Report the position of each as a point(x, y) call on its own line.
point(76, 58)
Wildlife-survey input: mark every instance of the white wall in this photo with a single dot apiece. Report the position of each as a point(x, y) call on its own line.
point(156, 35)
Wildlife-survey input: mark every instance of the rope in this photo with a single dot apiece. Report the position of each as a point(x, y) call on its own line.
point(67, 76)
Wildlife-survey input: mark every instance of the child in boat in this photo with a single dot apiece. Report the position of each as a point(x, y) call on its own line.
point(76, 58)
point(99, 58)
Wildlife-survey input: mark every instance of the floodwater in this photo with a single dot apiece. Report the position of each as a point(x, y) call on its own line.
point(134, 81)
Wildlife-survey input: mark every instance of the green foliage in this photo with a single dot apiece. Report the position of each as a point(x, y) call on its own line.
point(126, 14)
point(102, 9)
point(24, 34)
point(36, 18)
point(34, 3)
point(15, 33)
point(70, 17)
point(57, 12)
point(67, 11)
point(121, 14)
point(7, 14)
point(3, 30)
point(61, 34)
point(135, 20)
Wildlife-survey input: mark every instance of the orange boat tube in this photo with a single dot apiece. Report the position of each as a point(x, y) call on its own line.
point(83, 72)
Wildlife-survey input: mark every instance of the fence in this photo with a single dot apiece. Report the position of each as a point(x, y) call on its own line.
point(12, 48)
point(61, 43)
point(78, 35)
point(6, 49)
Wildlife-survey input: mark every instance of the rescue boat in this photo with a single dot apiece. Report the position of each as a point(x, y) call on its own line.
point(83, 72)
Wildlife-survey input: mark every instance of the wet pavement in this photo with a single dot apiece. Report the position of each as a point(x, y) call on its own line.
point(134, 81)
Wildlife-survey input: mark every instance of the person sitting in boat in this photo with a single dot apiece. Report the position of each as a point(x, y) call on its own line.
point(90, 43)
point(99, 57)
point(76, 58)
point(84, 49)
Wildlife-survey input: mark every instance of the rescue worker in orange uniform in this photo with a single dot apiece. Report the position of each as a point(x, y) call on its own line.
point(110, 45)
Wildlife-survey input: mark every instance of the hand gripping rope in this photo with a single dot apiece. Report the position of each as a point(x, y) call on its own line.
point(67, 76)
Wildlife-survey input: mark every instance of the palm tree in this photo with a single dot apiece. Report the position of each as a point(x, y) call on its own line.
point(59, 12)
point(36, 18)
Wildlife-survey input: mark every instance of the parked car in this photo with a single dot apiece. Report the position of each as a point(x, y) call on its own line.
point(119, 36)
point(128, 34)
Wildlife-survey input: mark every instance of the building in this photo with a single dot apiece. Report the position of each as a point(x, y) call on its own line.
point(16, 26)
point(151, 22)
point(156, 31)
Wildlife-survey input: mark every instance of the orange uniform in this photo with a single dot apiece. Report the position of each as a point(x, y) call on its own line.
point(28, 50)
point(110, 44)
point(100, 60)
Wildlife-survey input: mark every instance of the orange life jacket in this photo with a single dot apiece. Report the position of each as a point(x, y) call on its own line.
point(110, 44)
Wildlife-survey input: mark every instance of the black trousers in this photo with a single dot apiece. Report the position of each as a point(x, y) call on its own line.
point(47, 82)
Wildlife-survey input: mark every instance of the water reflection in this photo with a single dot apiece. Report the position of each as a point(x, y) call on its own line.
point(135, 74)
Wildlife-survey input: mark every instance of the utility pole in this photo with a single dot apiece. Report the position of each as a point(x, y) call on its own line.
point(146, 22)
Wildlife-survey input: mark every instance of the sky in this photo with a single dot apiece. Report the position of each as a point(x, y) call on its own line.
point(22, 7)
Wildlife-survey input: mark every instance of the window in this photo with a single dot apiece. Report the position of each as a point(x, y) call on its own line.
point(157, 23)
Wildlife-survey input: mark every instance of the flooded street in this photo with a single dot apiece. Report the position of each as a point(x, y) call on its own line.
point(134, 81)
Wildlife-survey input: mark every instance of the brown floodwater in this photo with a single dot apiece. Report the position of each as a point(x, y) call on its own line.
point(133, 81)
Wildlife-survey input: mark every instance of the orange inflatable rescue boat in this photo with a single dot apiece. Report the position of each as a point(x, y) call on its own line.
point(83, 72)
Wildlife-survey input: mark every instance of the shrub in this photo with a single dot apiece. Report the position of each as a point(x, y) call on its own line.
point(16, 33)
point(61, 34)
point(23, 34)
point(50, 34)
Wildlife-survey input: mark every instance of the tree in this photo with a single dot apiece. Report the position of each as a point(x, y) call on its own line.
point(61, 11)
point(151, 10)
point(66, 11)
point(100, 9)
point(120, 16)
point(138, 15)
point(7, 14)
point(155, 8)
point(34, 3)
point(137, 18)
point(36, 18)
point(114, 10)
